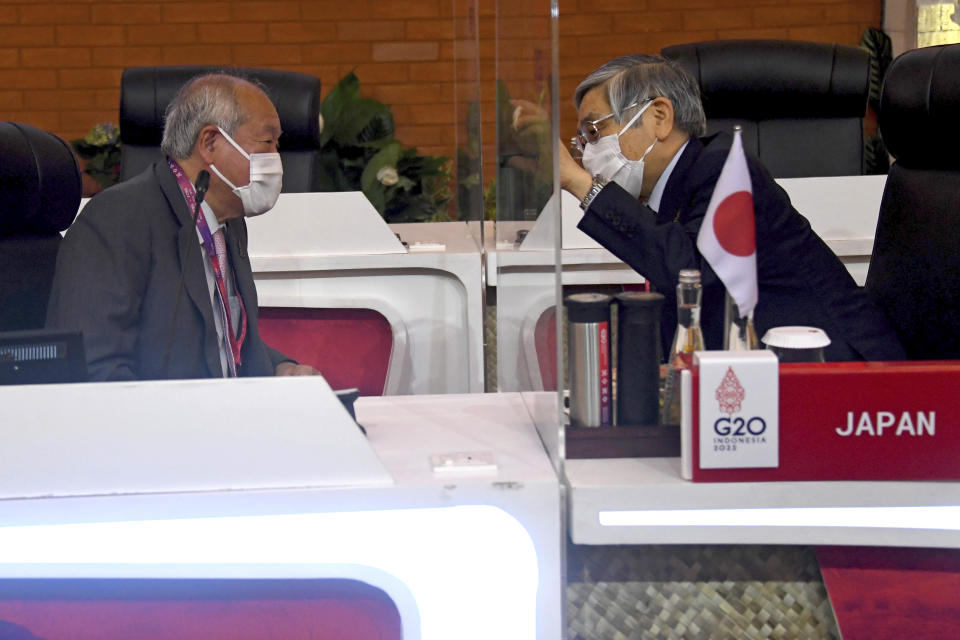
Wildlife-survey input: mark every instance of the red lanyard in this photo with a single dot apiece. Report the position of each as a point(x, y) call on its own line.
point(215, 253)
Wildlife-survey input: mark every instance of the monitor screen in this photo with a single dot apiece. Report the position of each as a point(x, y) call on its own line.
point(42, 356)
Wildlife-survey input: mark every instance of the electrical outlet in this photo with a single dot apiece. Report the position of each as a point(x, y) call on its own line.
point(463, 462)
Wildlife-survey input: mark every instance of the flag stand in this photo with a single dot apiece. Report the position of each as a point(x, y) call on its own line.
point(738, 332)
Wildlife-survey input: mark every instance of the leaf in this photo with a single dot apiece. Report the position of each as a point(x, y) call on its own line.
point(415, 209)
point(879, 46)
point(332, 105)
point(83, 149)
point(377, 197)
point(875, 158)
point(378, 129)
point(333, 177)
point(405, 183)
point(358, 117)
point(345, 113)
point(376, 145)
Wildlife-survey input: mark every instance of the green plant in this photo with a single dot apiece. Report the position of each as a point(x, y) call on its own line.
point(100, 151)
point(490, 201)
point(470, 203)
point(880, 47)
point(358, 152)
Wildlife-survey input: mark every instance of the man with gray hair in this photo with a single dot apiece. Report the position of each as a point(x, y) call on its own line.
point(156, 292)
point(645, 178)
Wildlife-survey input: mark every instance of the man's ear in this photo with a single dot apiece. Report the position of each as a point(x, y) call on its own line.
point(207, 141)
point(662, 110)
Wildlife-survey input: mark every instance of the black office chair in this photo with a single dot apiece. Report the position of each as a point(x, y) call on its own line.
point(801, 104)
point(914, 273)
point(145, 93)
point(40, 187)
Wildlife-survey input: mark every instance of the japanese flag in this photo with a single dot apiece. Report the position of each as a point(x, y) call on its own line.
point(727, 237)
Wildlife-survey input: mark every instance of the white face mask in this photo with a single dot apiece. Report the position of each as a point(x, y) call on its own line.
point(605, 159)
point(266, 180)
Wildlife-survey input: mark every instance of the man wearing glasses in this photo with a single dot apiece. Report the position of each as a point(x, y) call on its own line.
point(645, 177)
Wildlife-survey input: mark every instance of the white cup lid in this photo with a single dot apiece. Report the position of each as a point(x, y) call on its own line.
point(796, 338)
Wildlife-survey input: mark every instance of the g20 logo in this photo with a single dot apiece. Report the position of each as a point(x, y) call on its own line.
point(755, 426)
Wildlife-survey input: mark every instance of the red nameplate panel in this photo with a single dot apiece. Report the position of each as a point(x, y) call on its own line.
point(859, 421)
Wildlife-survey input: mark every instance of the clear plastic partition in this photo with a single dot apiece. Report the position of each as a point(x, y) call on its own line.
point(523, 256)
point(467, 168)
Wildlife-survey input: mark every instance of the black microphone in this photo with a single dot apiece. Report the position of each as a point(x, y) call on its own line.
point(201, 186)
point(200, 189)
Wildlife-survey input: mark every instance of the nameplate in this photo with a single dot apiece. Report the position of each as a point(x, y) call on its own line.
point(850, 421)
point(543, 236)
point(333, 223)
point(738, 409)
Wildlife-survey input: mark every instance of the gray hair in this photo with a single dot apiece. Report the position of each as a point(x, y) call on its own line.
point(203, 100)
point(629, 79)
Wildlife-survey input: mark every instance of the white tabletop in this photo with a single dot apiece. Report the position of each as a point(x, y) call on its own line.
point(439, 545)
point(645, 501)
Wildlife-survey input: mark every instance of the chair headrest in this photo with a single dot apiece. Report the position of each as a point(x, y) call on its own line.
point(765, 79)
point(39, 179)
point(920, 108)
point(145, 93)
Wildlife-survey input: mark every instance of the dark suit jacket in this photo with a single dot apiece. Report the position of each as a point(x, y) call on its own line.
point(117, 280)
point(801, 281)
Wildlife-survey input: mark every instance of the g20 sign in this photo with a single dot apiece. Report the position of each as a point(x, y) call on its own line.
point(738, 409)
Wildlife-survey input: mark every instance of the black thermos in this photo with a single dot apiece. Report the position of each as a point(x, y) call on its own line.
point(638, 358)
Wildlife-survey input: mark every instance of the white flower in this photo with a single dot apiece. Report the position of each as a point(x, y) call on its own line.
point(388, 176)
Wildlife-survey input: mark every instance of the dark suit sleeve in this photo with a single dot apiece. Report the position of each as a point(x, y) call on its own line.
point(630, 230)
point(102, 270)
point(276, 357)
point(658, 245)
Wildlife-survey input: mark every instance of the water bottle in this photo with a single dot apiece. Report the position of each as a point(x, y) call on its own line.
point(588, 338)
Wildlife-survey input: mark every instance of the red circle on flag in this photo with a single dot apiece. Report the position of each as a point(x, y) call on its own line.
point(733, 224)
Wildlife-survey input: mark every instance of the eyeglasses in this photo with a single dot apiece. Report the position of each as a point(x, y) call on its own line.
point(588, 132)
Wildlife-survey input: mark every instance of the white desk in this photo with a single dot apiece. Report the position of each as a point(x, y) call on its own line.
point(432, 298)
point(463, 555)
point(644, 501)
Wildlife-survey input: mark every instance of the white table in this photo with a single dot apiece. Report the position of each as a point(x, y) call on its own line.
point(644, 501)
point(482, 546)
point(432, 298)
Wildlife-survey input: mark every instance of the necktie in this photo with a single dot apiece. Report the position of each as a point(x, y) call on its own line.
point(221, 247)
point(221, 274)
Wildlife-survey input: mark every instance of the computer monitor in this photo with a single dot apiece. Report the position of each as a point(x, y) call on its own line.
point(42, 356)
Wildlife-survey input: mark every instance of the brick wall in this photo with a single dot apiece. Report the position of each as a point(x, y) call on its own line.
point(60, 62)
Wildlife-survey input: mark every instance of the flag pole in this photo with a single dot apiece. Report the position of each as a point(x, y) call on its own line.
point(738, 331)
point(727, 242)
